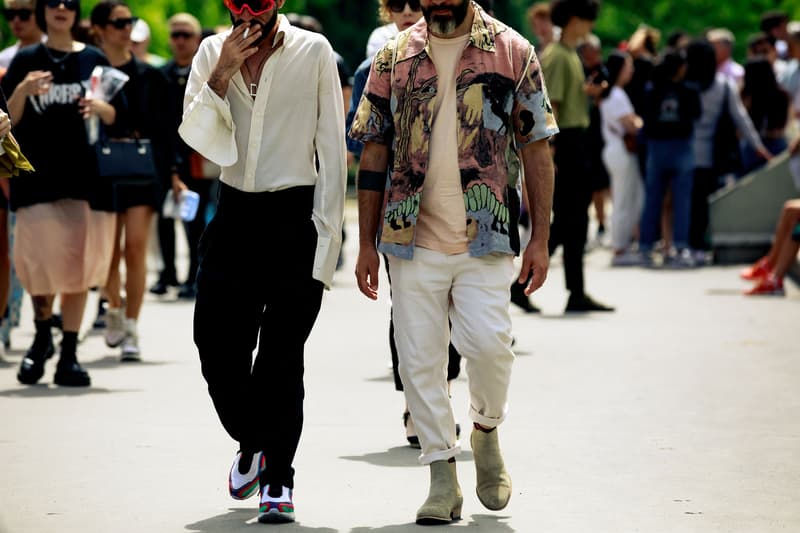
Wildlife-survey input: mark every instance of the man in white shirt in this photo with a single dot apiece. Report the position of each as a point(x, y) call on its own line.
point(21, 21)
point(263, 101)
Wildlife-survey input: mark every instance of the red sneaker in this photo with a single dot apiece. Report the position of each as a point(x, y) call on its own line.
point(769, 286)
point(758, 270)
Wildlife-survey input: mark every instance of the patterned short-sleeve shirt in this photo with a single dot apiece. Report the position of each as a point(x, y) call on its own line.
point(502, 105)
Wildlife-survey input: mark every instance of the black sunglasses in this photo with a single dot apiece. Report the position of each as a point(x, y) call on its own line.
point(72, 5)
point(121, 23)
point(23, 14)
point(397, 6)
point(182, 35)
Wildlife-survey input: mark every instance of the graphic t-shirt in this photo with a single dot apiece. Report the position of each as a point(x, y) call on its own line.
point(52, 132)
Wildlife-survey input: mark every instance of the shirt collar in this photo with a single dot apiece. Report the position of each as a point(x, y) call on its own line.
point(482, 35)
point(284, 29)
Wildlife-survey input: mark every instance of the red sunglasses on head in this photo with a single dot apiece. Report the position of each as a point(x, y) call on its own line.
point(255, 7)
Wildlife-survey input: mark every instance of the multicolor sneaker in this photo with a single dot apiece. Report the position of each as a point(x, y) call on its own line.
point(759, 269)
point(277, 508)
point(242, 486)
point(768, 286)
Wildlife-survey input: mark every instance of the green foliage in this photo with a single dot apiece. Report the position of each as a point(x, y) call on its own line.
point(348, 23)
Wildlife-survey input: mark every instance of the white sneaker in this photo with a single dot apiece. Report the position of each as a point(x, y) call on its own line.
point(130, 348)
point(130, 345)
point(276, 509)
point(115, 328)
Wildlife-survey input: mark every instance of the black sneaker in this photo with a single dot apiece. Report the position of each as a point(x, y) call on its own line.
point(582, 303)
point(100, 319)
point(159, 288)
point(519, 299)
point(188, 291)
point(71, 374)
point(31, 369)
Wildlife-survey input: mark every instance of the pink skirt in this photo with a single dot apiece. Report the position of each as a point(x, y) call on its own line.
point(63, 247)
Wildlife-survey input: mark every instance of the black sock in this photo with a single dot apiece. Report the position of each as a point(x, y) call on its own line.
point(69, 347)
point(451, 460)
point(275, 490)
point(43, 338)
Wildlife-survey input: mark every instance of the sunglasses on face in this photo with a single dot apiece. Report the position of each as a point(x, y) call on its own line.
point(181, 35)
point(255, 7)
point(23, 14)
point(121, 23)
point(72, 5)
point(397, 6)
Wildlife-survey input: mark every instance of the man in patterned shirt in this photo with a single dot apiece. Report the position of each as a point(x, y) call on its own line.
point(454, 113)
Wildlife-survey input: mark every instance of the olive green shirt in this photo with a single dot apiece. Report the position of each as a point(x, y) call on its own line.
point(563, 73)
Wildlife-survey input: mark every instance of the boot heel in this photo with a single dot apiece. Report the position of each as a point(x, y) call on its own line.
point(455, 514)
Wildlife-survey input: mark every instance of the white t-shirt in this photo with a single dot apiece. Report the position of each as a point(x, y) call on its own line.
point(442, 222)
point(612, 109)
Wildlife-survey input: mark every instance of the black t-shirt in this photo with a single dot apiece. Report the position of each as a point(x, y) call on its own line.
point(149, 112)
point(177, 77)
point(52, 132)
point(671, 110)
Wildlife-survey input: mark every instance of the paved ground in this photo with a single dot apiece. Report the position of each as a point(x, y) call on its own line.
point(678, 413)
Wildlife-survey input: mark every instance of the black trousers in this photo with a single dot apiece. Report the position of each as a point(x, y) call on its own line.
point(706, 181)
point(571, 199)
point(255, 285)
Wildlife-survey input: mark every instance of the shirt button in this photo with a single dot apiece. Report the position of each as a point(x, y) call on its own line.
point(423, 55)
point(426, 128)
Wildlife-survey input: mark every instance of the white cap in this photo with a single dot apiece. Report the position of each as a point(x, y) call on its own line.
point(140, 31)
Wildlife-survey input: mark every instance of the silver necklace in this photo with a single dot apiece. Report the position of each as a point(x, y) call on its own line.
point(57, 61)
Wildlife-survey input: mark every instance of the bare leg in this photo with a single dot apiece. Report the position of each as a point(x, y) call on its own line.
point(137, 231)
point(599, 200)
point(72, 307)
point(43, 306)
point(113, 283)
point(790, 214)
point(786, 257)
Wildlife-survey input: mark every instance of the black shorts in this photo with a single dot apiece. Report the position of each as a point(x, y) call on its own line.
point(127, 194)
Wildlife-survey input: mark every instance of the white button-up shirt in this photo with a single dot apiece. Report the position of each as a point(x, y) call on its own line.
point(269, 143)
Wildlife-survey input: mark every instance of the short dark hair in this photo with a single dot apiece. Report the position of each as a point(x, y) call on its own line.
point(773, 19)
point(563, 10)
point(101, 12)
point(41, 21)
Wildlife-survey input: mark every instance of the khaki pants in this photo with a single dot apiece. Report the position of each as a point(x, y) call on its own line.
point(474, 292)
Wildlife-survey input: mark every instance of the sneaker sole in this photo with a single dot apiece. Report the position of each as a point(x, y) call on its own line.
point(273, 516)
point(130, 358)
point(114, 344)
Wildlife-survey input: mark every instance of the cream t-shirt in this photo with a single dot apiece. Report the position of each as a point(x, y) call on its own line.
point(442, 222)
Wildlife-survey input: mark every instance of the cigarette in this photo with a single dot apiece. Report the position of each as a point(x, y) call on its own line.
point(246, 32)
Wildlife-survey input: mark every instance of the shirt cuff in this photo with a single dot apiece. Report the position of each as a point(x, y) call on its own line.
point(208, 128)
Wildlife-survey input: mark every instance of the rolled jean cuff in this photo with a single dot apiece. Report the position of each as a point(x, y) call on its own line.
point(485, 421)
point(440, 455)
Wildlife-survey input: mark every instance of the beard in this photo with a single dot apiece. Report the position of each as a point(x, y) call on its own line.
point(265, 28)
point(445, 24)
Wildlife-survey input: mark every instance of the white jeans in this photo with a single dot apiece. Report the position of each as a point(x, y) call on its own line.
point(627, 194)
point(475, 294)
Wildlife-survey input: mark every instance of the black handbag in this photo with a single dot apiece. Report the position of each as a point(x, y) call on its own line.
point(727, 156)
point(124, 160)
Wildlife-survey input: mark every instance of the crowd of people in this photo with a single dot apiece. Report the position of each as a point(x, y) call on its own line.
point(512, 144)
point(670, 122)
